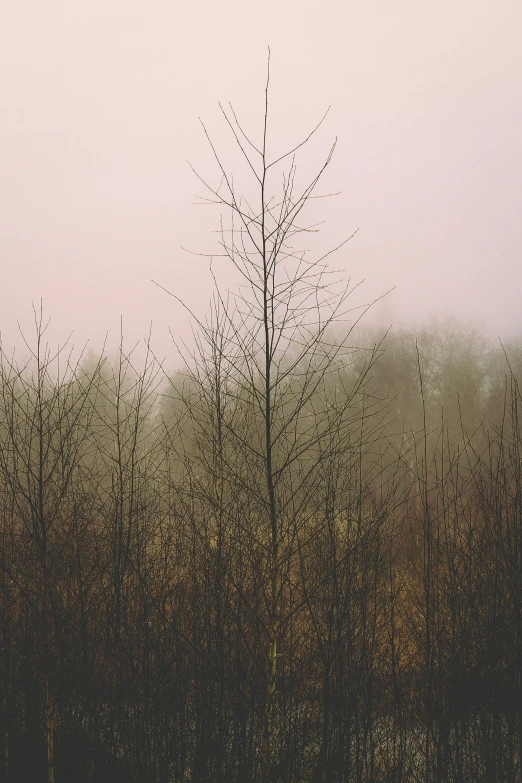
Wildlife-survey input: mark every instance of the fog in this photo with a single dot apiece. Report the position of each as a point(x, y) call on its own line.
point(294, 551)
point(100, 105)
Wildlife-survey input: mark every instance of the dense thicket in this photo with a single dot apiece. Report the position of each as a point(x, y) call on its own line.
point(135, 570)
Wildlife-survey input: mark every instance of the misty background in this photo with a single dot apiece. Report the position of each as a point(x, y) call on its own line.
point(280, 557)
point(99, 114)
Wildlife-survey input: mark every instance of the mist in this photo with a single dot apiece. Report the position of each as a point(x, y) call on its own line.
point(260, 401)
point(100, 108)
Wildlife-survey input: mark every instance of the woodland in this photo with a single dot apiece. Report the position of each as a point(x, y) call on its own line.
point(298, 558)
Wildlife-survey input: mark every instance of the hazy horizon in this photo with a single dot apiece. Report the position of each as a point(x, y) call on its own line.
point(100, 108)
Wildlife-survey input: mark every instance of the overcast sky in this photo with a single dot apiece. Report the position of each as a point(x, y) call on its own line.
point(99, 114)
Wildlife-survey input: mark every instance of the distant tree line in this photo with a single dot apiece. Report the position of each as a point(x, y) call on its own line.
point(135, 574)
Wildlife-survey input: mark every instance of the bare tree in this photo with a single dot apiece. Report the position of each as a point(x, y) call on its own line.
point(42, 411)
point(279, 347)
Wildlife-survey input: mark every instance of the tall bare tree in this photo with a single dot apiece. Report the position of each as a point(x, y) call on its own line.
point(278, 345)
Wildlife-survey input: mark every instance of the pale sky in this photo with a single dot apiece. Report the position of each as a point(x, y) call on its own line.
point(99, 107)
